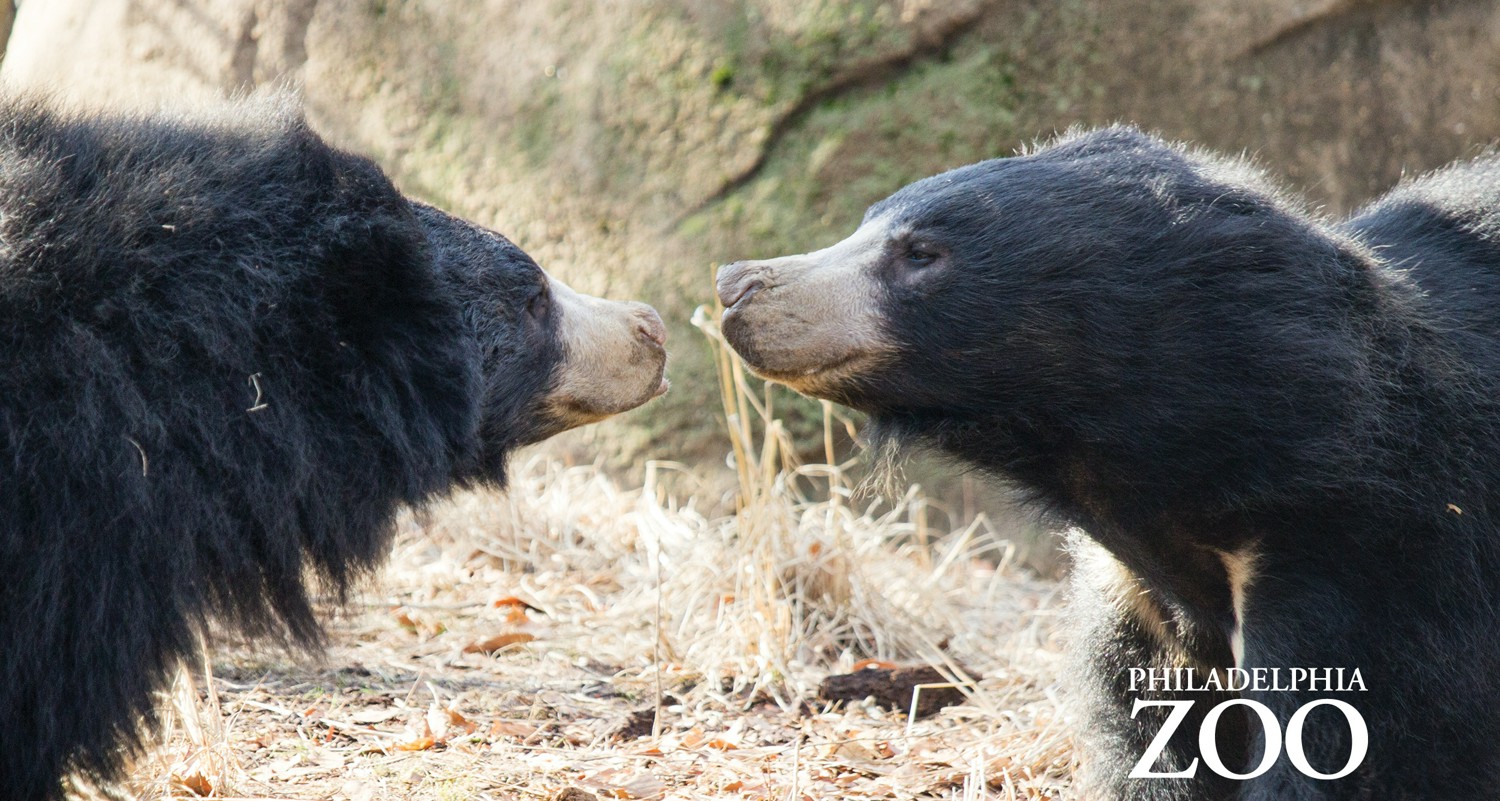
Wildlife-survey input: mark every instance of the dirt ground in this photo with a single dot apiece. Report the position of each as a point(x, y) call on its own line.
point(575, 640)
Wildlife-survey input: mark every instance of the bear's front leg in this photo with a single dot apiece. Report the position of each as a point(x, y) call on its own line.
point(1125, 648)
point(1381, 685)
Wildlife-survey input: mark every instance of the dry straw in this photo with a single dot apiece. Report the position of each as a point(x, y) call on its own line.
point(718, 625)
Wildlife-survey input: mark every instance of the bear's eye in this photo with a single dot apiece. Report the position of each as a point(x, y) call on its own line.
point(920, 256)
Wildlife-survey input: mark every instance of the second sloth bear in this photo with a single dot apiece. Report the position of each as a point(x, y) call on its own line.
point(1280, 437)
point(231, 353)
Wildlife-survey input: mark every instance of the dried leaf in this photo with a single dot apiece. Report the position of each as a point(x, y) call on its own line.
point(498, 641)
point(418, 623)
point(422, 742)
point(512, 728)
point(196, 783)
point(513, 601)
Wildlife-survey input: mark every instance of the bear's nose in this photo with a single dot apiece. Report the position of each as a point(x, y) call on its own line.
point(649, 325)
point(738, 281)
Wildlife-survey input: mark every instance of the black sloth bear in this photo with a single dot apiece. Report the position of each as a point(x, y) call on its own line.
point(231, 354)
point(1279, 436)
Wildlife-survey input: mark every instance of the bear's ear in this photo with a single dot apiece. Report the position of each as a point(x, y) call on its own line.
point(376, 271)
point(375, 277)
point(396, 325)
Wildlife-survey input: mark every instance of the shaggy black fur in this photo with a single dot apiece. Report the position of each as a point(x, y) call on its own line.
point(231, 354)
point(1159, 346)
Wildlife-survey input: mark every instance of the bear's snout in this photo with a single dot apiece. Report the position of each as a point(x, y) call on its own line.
point(810, 321)
point(616, 357)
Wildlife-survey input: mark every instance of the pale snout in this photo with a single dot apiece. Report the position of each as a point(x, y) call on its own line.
point(614, 357)
point(810, 321)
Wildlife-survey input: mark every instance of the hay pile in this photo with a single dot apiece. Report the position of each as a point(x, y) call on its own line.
point(574, 638)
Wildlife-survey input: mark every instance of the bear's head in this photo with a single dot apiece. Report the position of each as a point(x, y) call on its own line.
point(1108, 293)
point(552, 358)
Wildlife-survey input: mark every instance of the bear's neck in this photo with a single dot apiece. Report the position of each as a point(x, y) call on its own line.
point(1366, 417)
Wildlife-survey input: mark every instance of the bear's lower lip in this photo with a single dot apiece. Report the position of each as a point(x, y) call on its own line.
point(793, 377)
point(661, 389)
